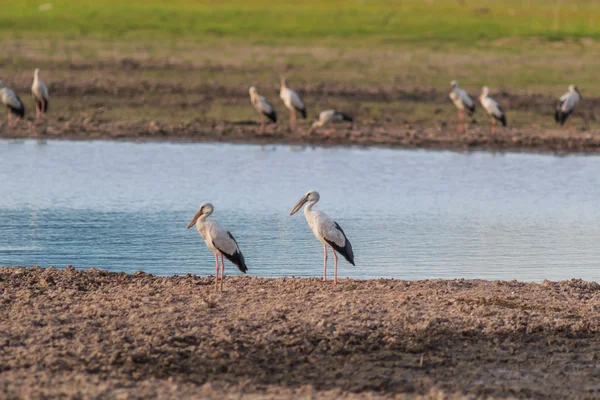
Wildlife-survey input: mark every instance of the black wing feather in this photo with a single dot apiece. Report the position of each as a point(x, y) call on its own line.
point(19, 111)
point(345, 251)
point(502, 117)
point(559, 115)
point(345, 117)
point(237, 258)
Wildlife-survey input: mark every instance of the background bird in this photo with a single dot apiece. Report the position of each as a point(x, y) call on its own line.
point(293, 102)
point(326, 230)
point(13, 103)
point(219, 240)
point(567, 104)
point(264, 108)
point(462, 101)
point(492, 108)
point(39, 92)
point(330, 117)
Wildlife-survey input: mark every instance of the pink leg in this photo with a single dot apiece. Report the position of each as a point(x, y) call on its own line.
point(17, 121)
point(293, 120)
point(217, 272)
point(262, 124)
point(9, 117)
point(37, 111)
point(222, 271)
point(335, 257)
point(43, 106)
point(325, 263)
point(493, 126)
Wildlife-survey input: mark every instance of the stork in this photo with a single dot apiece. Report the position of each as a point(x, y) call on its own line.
point(330, 117)
point(462, 101)
point(567, 104)
point(12, 102)
point(219, 240)
point(493, 109)
point(39, 91)
point(293, 102)
point(326, 230)
point(264, 108)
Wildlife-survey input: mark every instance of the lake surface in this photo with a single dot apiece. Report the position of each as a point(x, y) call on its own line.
point(409, 214)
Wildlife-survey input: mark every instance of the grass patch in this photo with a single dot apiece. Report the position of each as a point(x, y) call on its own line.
point(331, 21)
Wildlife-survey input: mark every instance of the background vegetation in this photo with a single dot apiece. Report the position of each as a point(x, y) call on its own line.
point(379, 21)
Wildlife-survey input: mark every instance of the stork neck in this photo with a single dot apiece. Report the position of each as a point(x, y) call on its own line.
point(202, 219)
point(309, 206)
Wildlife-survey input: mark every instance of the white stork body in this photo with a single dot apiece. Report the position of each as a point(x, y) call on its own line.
point(264, 108)
point(39, 91)
point(12, 102)
point(293, 102)
point(462, 101)
point(492, 108)
point(219, 240)
point(330, 117)
point(327, 231)
point(567, 104)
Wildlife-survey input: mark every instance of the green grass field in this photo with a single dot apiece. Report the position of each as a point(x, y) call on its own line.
point(261, 21)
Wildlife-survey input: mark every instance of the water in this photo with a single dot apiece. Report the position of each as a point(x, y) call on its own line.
point(408, 214)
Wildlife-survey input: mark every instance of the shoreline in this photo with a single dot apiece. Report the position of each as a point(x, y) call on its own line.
point(106, 334)
point(555, 142)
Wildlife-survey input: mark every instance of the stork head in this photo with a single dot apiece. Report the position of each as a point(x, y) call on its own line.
point(485, 91)
point(310, 196)
point(36, 73)
point(204, 211)
point(252, 91)
point(574, 88)
point(283, 82)
point(454, 84)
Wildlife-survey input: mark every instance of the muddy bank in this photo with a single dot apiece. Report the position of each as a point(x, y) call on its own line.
point(95, 334)
point(161, 100)
point(410, 135)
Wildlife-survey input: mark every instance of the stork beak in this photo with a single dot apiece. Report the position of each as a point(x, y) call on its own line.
point(193, 221)
point(299, 205)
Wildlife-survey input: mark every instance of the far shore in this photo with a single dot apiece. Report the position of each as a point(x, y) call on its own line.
point(553, 141)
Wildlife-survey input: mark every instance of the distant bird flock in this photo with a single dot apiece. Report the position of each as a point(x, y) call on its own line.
point(295, 105)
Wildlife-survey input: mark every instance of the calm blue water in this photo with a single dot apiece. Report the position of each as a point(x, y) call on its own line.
point(408, 214)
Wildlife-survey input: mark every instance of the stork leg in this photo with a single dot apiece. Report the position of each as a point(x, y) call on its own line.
point(262, 124)
point(325, 263)
point(293, 120)
point(37, 112)
point(9, 116)
point(222, 271)
point(459, 126)
point(217, 272)
point(335, 258)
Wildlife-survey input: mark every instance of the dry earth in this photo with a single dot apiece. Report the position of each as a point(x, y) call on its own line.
point(94, 334)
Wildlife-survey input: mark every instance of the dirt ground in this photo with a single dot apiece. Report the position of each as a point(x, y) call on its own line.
point(148, 99)
point(94, 334)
